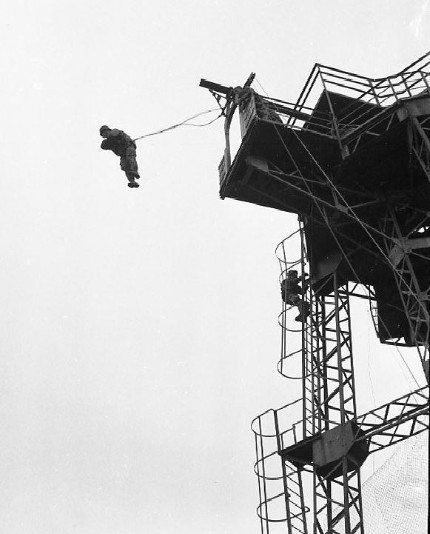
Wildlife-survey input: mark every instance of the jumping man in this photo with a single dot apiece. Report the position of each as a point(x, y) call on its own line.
point(122, 145)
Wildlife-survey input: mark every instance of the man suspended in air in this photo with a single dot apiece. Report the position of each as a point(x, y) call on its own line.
point(290, 291)
point(123, 146)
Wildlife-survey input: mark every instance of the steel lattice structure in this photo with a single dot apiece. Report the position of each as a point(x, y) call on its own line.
point(352, 159)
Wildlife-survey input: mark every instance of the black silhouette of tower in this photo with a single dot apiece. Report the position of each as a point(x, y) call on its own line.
point(352, 159)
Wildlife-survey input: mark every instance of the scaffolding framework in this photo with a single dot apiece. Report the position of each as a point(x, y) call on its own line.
point(352, 159)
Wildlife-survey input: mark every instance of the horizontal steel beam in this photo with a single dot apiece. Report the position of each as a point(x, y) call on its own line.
point(224, 90)
point(395, 421)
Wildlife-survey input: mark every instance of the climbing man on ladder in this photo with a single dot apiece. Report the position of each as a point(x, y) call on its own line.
point(122, 145)
point(290, 291)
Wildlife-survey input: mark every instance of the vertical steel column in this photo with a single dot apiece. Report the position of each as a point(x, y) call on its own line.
point(337, 503)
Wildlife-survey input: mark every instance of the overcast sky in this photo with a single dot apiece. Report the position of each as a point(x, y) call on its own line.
point(139, 327)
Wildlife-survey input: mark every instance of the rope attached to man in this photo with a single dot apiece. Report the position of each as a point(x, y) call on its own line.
point(184, 123)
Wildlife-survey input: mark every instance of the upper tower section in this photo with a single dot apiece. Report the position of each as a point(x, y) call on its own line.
point(340, 123)
point(352, 158)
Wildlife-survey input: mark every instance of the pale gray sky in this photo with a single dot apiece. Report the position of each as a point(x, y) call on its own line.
point(139, 327)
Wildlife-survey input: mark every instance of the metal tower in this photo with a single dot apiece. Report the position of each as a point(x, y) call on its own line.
point(352, 159)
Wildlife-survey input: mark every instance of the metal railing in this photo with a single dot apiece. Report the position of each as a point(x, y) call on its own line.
point(412, 81)
point(369, 99)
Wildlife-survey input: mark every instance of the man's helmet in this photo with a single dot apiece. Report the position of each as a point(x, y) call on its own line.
point(292, 273)
point(103, 128)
